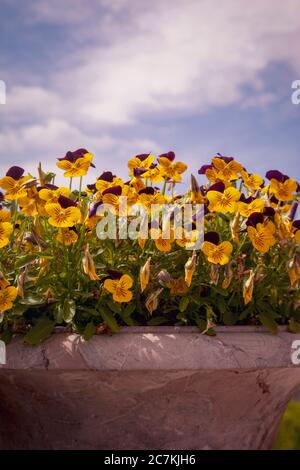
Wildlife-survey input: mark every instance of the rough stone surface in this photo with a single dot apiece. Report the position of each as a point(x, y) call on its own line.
point(148, 388)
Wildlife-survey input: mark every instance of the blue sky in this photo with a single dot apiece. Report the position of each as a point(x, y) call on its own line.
point(122, 77)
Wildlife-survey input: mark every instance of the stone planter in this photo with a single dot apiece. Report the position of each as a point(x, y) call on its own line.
point(148, 388)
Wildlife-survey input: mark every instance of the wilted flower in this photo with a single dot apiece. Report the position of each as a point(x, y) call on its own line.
point(189, 268)
point(89, 265)
point(294, 272)
point(228, 275)
point(152, 301)
point(145, 275)
point(248, 287)
point(164, 277)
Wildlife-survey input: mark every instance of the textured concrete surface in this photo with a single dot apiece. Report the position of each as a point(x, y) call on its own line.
point(148, 388)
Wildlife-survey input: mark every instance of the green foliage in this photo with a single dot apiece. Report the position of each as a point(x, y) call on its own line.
point(288, 437)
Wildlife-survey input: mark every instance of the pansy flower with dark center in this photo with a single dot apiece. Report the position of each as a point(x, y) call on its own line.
point(169, 170)
point(216, 252)
point(76, 164)
point(143, 160)
point(64, 213)
point(251, 181)
point(247, 206)
point(222, 169)
point(148, 197)
point(14, 183)
point(222, 200)
point(51, 193)
point(106, 181)
point(281, 185)
point(261, 232)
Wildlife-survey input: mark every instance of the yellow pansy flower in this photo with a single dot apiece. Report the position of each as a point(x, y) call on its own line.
point(120, 288)
point(8, 295)
point(67, 237)
point(14, 183)
point(227, 170)
point(262, 236)
point(76, 164)
point(251, 181)
point(184, 238)
point(247, 209)
point(283, 191)
point(6, 229)
point(217, 254)
point(5, 216)
point(162, 244)
point(63, 214)
point(51, 193)
point(170, 170)
point(143, 161)
point(107, 180)
point(223, 202)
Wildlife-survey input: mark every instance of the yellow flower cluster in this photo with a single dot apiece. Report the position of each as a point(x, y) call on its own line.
point(49, 245)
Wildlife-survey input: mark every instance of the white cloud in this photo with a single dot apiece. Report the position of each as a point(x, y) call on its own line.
point(141, 58)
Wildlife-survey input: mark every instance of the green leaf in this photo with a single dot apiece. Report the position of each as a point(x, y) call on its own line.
point(109, 319)
point(69, 310)
point(229, 318)
point(18, 310)
point(113, 306)
point(293, 326)
point(39, 332)
point(24, 260)
point(89, 331)
point(126, 315)
point(268, 322)
point(183, 304)
point(32, 300)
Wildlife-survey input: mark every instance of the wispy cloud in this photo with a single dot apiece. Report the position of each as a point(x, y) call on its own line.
point(134, 62)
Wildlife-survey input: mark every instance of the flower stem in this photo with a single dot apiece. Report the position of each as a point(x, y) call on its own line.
point(70, 187)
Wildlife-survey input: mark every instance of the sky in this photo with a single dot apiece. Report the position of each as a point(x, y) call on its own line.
point(124, 77)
